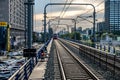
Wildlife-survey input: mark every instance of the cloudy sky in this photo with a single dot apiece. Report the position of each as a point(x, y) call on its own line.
point(68, 11)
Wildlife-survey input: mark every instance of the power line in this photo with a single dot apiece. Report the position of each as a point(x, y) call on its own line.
point(100, 3)
point(67, 8)
point(51, 7)
point(64, 7)
point(91, 9)
point(63, 10)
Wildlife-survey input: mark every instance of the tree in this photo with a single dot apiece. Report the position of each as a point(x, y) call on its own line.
point(72, 35)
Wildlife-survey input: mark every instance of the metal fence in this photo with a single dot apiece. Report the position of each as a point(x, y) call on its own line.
point(24, 72)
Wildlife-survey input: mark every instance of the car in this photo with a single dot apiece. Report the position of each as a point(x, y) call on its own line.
point(3, 64)
point(5, 73)
point(2, 77)
point(12, 54)
point(20, 53)
point(10, 62)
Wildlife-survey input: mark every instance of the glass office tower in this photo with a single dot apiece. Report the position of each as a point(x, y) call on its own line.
point(112, 15)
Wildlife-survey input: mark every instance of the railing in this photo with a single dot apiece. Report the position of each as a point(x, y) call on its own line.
point(24, 72)
point(110, 62)
point(109, 49)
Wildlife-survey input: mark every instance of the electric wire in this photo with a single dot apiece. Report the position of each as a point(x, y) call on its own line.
point(91, 9)
point(67, 8)
point(63, 7)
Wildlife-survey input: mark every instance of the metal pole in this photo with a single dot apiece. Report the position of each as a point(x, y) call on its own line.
point(44, 25)
point(25, 28)
point(30, 4)
point(49, 29)
point(29, 40)
point(75, 29)
point(32, 20)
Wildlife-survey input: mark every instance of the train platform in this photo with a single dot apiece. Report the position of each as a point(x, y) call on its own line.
point(39, 70)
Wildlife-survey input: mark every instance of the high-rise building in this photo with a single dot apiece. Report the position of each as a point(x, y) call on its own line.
point(112, 15)
point(13, 12)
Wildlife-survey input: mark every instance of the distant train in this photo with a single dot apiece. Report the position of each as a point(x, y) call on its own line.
point(55, 36)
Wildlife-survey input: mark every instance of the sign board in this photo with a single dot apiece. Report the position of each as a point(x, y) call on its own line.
point(3, 24)
point(29, 52)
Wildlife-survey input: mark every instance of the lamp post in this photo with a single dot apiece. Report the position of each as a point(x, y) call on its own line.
point(67, 4)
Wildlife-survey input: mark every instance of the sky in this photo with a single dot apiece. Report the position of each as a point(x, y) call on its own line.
point(71, 12)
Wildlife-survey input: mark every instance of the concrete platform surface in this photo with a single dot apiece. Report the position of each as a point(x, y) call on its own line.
point(39, 71)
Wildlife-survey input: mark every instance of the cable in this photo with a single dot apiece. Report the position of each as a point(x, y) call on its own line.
point(51, 7)
point(63, 7)
point(63, 10)
point(91, 9)
point(67, 8)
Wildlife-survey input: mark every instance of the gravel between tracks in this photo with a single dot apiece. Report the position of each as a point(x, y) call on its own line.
point(52, 70)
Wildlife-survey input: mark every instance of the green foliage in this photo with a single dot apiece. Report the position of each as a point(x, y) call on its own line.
point(78, 36)
point(116, 33)
point(88, 42)
point(72, 35)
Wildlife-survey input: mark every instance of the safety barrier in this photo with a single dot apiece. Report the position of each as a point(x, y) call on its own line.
point(106, 60)
point(24, 72)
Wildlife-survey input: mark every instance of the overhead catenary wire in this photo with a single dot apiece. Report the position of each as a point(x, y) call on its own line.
point(67, 8)
point(62, 11)
point(63, 7)
point(51, 7)
point(97, 11)
point(91, 9)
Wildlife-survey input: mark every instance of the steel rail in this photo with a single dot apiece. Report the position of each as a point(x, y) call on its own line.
point(61, 66)
point(91, 74)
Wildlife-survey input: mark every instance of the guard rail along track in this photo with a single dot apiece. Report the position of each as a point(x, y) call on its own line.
point(70, 66)
point(110, 61)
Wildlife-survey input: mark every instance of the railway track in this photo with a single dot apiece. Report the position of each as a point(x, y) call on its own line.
point(110, 62)
point(71, 67)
